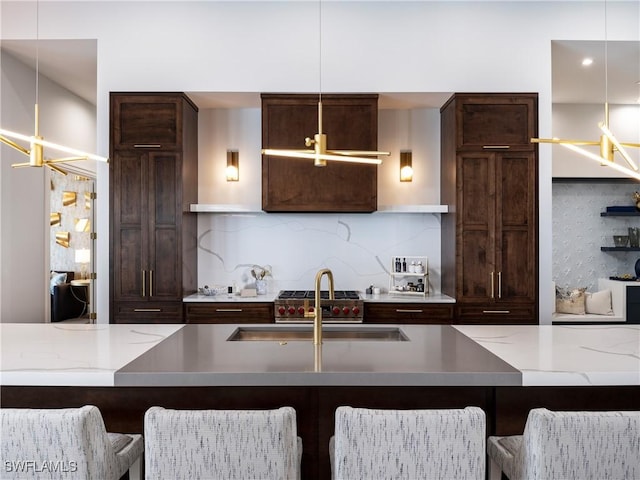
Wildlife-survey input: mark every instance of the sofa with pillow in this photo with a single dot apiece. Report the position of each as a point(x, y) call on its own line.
point(67, 301)
point(575, 304)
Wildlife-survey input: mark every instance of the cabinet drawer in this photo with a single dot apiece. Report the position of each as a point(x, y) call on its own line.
point(147, 312)
point(496, 121)
point(419, 313)
point(231, 312)
point(497, 314)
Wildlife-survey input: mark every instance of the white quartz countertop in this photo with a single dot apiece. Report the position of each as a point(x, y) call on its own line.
point(406, 298)
point(565, 354)
point(107, 355)
point(269, 297)
point(367, 298)
point(72, 354)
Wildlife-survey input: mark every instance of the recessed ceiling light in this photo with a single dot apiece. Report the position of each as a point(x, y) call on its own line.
point(587, 61)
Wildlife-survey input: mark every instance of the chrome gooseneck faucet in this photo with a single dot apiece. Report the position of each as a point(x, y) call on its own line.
point(317, 319)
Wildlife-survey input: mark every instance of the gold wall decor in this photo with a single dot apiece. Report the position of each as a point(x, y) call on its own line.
point(68, 198)
point(88, 196)
point(62, 239)
point(82, 225)
point(54, 218)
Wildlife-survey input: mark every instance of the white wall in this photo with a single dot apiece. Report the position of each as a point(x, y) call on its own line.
point(24, 199)
point(416, 129)
point(367, 47)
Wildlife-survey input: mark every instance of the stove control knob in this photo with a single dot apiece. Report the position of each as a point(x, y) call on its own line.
point(336, 311)
point(292, 310)
point(281, 310)
point(312, 309)
point(346, 310)
point(355, 310)
point(301, 310)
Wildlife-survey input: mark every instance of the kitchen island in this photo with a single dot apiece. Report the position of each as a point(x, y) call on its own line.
point(506, 370)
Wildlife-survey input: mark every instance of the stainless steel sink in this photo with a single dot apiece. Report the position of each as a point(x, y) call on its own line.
point(305, 333)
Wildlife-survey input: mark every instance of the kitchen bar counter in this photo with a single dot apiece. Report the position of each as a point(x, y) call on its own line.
point(198, 355)
point(126, 369)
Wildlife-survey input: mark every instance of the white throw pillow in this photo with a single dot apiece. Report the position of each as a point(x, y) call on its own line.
point(599, 303)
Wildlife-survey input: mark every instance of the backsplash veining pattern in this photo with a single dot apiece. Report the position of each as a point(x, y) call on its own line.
point(357, 247)
point(579, 231)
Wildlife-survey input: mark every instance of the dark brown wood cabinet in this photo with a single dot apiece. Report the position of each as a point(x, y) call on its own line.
point(296, 185)
point(408, 313)
point(490, 180)
point(153, 181)
point(229, 312)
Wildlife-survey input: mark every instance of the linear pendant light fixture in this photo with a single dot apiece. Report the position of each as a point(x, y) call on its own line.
point(36, 142)
point(608, 143)
point(320, 154)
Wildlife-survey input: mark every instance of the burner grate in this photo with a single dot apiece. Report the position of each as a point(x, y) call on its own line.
point(324, 294)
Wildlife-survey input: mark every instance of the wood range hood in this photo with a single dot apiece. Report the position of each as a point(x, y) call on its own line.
point(296, 185)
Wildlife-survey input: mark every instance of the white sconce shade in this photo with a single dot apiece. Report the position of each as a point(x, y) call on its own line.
point(83, 255)
point(406, 166)
point(233, 169)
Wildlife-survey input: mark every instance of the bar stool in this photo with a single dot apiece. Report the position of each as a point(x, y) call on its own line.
point(67, 443)
point(569, 445)
point(408, 444)
point(222, 444)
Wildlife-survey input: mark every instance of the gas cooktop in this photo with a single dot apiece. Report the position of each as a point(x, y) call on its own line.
point(310, 294)
point(299, 306)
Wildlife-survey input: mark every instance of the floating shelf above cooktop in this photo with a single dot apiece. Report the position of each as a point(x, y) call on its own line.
point(242, 208)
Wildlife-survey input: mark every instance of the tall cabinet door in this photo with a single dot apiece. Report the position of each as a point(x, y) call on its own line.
point(516, 220)
point(129, 258)
point(164, 225)
point(476, 239)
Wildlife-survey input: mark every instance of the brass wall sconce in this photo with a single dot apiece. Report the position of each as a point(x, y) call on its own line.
point(54, 218)
point(406, 166)
point(233, 169)
point(62, 239)
point(69, 198)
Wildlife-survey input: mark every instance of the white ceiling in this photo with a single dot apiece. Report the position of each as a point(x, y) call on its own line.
point(613, 76)
point(73, 63)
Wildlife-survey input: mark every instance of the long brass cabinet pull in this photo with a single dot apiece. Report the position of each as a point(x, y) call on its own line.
point(144, 283)
point(408, 310)
point(147, 145)
point(147, 309)
point(496, 147)
point(499, 284)
point(228, 310)
point(151, 283)
point(496, 311)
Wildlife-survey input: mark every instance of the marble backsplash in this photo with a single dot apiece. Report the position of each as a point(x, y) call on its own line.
point(358, 248)
point(579, 231)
